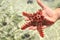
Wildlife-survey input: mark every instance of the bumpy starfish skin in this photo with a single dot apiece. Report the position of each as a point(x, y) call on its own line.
point(38, 20)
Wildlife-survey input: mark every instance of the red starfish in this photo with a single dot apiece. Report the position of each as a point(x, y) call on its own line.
point(38, 20)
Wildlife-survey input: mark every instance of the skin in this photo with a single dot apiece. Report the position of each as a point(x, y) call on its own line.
point(48, 13)
point(57, 10)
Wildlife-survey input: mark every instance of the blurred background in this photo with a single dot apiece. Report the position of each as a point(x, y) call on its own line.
point(11, 20)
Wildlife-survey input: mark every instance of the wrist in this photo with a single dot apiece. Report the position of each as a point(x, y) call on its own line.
point(58, 12)
point(58, 15)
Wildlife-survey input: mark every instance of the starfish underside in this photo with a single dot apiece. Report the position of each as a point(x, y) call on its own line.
point(38, 20)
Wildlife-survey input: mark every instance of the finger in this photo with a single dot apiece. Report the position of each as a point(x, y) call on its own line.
point(40, 3)
point(44, 27)
point(32, 28)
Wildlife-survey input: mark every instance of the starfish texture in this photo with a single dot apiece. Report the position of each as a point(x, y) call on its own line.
point(36, 20)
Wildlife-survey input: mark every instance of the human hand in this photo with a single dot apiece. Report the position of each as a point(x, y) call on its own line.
point(48, 13)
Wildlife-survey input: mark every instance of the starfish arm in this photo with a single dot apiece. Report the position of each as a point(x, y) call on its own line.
point(39, 29)
point(26, 26)
point(26, 14)
point(49, 22)
point(29, 16)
